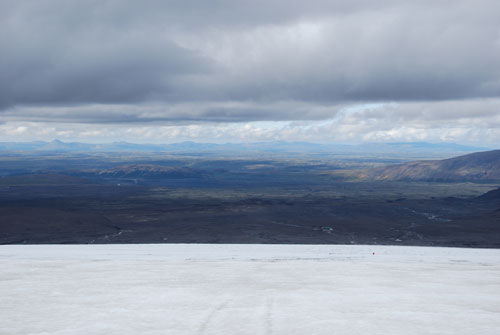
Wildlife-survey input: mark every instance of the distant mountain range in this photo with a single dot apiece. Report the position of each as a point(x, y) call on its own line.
point(266, 147)
point(479, 166)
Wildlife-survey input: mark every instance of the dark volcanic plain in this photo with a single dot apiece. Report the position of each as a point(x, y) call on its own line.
point(54, 197)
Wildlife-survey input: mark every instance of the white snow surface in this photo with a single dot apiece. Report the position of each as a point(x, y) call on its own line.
point(248, 289)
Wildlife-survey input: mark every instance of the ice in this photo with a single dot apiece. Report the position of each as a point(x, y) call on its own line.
point(248, 289)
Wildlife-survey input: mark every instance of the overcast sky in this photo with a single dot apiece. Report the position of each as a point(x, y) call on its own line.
point(323, 71)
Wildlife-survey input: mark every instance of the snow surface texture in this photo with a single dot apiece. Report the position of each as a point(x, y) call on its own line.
point(248, 289)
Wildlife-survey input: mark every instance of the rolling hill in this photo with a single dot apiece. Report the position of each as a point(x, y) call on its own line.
point(479, 166)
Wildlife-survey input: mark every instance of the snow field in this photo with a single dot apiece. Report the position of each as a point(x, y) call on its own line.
point(248, 289)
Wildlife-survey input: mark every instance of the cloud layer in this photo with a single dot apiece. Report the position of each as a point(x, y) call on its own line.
point(174, 63)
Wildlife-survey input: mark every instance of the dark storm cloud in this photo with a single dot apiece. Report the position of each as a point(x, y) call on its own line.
point(240, 60)
point(53, 55)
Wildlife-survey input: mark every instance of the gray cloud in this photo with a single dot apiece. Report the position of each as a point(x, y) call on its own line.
point(236, 61)
point(48, 58)
point(174, 112)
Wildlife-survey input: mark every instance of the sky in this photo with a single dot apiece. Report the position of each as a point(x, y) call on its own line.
point(241, 71)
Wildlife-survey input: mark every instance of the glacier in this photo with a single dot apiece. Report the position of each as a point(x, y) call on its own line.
point(248, 289)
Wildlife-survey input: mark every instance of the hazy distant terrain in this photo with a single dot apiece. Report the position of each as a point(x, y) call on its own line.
point(249, 197)
point(387, 149)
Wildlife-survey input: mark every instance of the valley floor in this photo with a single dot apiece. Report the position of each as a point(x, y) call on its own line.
point(248, 289)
